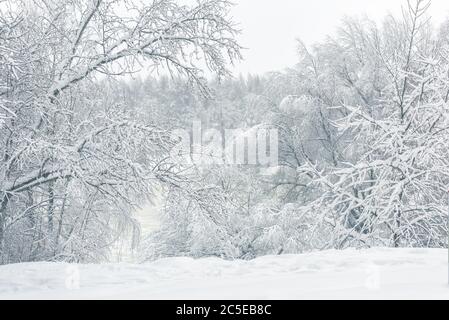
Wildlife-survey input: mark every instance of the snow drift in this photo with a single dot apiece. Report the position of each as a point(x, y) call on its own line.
point(349, 274)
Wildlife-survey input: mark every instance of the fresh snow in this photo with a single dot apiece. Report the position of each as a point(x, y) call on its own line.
point(349, 274)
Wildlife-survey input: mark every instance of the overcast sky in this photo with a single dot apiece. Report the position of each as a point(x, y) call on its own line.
point(270, 27)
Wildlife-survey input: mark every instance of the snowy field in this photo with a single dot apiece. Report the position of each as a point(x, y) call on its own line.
point(351, 274)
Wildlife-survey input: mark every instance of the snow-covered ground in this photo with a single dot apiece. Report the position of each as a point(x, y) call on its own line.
point(350, 274)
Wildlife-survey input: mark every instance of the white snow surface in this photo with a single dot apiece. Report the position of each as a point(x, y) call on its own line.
point(349, 274)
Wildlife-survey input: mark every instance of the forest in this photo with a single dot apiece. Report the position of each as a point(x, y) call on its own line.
point(91, 92)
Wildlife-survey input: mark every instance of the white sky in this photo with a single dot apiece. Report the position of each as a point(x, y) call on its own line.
point(270, 27)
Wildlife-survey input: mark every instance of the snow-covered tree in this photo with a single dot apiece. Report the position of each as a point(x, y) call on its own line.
point(73, 162)
point(392, 189)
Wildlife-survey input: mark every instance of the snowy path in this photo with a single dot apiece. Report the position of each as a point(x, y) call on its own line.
point(350, 274)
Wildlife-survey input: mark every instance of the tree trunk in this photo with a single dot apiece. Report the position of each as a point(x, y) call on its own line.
point(3, 205)
point(61, 219)
point(51, 206)
point(396, 235)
